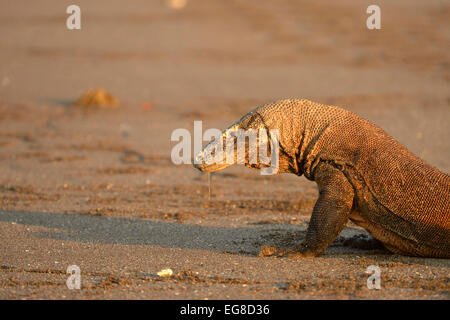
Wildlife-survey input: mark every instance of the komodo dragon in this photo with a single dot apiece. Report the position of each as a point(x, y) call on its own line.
point(362, 174)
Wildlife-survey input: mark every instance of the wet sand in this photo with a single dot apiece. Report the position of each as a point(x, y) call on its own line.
point(98, 189)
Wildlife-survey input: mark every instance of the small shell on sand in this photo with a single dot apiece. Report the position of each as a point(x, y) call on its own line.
point(98, 98)
point(165, 273)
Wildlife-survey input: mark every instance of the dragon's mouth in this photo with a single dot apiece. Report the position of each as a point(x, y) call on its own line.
point(207, 161)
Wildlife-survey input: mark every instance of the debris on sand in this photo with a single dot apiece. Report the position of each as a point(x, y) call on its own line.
point(267, 251)
point(147, 106)
point(98, 98)
point(165, 273)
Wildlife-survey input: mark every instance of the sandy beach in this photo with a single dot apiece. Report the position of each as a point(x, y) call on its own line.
point(96, 187)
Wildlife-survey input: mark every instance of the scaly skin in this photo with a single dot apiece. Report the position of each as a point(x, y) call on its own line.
point(363, 175)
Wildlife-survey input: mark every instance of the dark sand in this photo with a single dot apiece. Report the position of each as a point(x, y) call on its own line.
point(97, 188)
